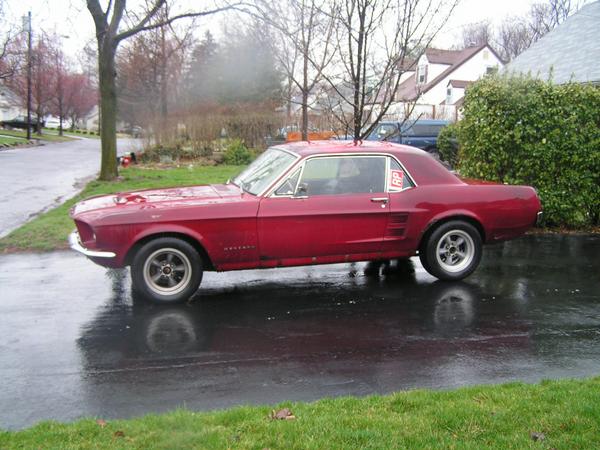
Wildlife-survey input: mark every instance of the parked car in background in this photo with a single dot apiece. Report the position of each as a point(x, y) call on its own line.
point(134, 131)
point(421, 133)
point(21, 122)
point(300, 204)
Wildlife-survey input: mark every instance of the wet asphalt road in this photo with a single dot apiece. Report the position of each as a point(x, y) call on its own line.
point(35, 179)
point(75, 344)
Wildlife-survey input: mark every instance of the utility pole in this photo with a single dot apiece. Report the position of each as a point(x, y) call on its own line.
point(29, 75)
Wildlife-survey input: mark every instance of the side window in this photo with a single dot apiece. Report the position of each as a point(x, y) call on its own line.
point(289, 186)
point(343, 175)
point(397, 178)
point(384, 131)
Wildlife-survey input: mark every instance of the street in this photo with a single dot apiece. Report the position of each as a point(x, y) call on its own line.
point(74, 343)
point(36, 179)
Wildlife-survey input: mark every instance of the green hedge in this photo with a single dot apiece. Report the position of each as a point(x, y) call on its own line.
point(447, 144)
point(237, 154)
point(518, 130)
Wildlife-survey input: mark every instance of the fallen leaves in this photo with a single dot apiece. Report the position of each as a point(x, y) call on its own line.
point(282, 414)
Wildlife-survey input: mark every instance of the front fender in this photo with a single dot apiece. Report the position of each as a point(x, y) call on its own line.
point(170, 229)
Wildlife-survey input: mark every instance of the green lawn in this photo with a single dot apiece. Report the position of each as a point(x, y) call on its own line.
point(550, 415)
point(46, 136)
point(50, 231)
point(74, 133)
point(11, 140)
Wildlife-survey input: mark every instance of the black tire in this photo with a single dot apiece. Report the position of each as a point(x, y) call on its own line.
point(459, 247)
point(166, 270)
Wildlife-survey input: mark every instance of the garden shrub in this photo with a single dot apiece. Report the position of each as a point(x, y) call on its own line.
point(447, 144)
point(519, 130)
point(237, 153)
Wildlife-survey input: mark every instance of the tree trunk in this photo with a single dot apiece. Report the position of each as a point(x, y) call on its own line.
point(60, 116)
point(304, 124)
point(108, 112)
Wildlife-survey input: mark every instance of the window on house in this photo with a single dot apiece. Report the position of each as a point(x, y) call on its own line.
point(449, 95)
point(422, 74)
point(491, 70)
point(486, 55)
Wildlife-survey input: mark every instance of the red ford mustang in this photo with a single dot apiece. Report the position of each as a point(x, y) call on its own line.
point(299, 204)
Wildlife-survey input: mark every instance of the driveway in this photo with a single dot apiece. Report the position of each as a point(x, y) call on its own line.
point(35, 179)
point(75, 344)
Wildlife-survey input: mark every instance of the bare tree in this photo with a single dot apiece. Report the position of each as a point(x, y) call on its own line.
point(306, 28)
point(479, 33)
point(9, 48)
point(110, 32)
point(544, 17)
point(150, 67)
point(374, 40)
point(513, 36)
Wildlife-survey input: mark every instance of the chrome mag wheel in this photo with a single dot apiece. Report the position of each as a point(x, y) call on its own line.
point(455, 251)
point(167, 271)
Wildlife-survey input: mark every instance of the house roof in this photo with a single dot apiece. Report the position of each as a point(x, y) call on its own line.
point(461, 84)
point(569, 52)
point(440, 56)
point(409, 89)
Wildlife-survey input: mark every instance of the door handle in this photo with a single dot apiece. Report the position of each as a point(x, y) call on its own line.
point(382, 200)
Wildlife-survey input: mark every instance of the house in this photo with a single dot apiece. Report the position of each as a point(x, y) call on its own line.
point(434, 85)
point(10, 104)
point(569, 52)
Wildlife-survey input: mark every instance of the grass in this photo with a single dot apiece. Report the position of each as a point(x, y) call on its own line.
point(34, 135)
point(11, 140)
point(75, 133)
point(553, 414)
point(50, 230)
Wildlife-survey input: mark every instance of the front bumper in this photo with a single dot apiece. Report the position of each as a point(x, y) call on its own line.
point(75, 244)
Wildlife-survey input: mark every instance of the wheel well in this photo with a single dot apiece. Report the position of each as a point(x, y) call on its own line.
point(184, 237)
point(436, 224)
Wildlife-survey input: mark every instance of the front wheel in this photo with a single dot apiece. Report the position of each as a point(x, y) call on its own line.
point(166, 270)
point(452, 251)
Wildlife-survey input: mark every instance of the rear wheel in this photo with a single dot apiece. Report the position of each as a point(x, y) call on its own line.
point(166, 270)
point(452, 251)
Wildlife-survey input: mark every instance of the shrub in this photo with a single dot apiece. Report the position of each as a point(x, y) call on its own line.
point(237, 153)
point(525, 131)
point(447, 144)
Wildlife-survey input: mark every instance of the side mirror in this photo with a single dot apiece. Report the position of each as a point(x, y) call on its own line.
point(302, 190)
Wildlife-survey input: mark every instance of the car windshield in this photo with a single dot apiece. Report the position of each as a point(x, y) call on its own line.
point(264, 170)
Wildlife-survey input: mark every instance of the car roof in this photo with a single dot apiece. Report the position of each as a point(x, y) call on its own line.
point(424, 169)
point(417, 122)
point(307, 148)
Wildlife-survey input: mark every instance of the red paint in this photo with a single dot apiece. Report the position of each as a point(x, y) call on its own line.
point(240, 231)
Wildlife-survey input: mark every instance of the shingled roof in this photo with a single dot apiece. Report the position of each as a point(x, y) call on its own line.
point(569, 52)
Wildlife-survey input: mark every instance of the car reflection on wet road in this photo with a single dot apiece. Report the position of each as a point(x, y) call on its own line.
point(75, 343)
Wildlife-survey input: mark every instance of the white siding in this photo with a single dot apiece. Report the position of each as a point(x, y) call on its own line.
point(471, 70)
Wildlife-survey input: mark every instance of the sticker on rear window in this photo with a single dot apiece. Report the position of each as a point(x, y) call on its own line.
point(396, 179)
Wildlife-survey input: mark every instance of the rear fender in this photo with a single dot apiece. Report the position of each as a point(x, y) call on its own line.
point(455, 214)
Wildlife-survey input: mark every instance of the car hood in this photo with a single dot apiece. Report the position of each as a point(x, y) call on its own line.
point(156, 198)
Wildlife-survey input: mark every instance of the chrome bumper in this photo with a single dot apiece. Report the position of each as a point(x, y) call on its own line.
point(539, 218)
point(75, 244)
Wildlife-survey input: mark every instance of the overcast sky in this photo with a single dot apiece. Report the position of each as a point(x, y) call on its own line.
point(71, 18)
